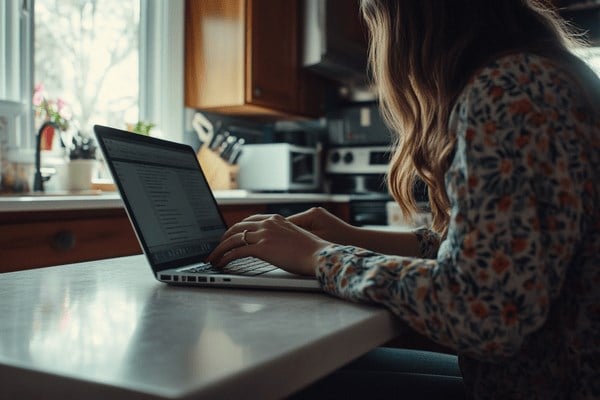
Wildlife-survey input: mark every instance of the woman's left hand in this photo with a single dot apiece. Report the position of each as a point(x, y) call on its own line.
point(271, 238)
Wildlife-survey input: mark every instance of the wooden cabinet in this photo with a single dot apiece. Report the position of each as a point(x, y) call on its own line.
point(35, 239)
point(243, 57)
point(43, 238)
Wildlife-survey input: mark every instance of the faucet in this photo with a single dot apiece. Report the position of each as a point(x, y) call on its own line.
point(38, 179)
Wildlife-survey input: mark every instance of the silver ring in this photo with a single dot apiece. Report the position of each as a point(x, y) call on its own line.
point(244, 237)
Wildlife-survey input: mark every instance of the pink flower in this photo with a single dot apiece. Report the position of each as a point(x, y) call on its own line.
point(56, 111)
point(65, 112)
point(38, 97)
point(38, 94)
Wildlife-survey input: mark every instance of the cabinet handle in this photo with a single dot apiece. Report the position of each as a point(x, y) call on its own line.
point(257, 92)
point(63, 240)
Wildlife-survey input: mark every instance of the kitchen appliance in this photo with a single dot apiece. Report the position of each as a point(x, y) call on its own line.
point(335, 40)
point(279, 167)
point(357, 170)
point(360, 172)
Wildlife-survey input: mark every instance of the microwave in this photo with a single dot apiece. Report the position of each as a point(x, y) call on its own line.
point(279, 167)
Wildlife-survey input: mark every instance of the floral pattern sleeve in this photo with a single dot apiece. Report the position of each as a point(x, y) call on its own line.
point(429, 242)
point(515, 216)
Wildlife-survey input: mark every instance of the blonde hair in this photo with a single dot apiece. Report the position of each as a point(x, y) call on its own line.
point(421, 53)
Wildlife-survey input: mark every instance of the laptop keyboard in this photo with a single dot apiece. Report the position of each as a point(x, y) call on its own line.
point(249, 266)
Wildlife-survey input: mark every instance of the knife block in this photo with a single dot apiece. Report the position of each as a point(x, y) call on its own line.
point(220, 174)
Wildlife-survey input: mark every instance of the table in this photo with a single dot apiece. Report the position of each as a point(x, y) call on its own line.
point(108, 329)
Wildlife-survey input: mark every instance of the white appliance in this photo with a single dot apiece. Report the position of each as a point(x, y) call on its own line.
point(279, 167)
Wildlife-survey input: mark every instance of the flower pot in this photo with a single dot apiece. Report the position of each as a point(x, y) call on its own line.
point(77, 175)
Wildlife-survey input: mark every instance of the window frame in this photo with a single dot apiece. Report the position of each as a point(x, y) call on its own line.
point(17, 81)
point(160, 69)
point(161, 81)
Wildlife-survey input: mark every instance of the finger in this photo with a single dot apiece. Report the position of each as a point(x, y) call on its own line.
point(258, 217)
point(251, 223)
point(235, 254)
point(227, 244)
point(305, 218)
point(238, 228)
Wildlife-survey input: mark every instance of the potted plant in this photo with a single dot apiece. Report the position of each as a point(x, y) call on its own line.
point(82, 148)
point(141, 127)
point(82, 164)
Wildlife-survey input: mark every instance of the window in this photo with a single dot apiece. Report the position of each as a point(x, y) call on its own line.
point(87, 56)
point(113, 61)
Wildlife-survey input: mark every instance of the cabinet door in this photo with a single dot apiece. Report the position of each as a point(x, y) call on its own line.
point(242, 57)
point(215, 34)
point(272, 54)
point(40, 239)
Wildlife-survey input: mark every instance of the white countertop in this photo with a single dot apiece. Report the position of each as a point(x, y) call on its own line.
point(97, 200)
point(108, 330)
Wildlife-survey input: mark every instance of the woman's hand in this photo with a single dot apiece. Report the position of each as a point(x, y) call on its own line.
point(325, 225)
point(332, 229)
point(271, 238)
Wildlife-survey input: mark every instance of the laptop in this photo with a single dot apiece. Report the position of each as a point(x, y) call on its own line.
point(175, 216)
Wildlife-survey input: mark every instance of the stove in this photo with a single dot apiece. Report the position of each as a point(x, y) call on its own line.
point(357, 170)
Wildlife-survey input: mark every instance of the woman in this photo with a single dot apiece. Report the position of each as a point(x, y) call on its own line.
point(502, 122)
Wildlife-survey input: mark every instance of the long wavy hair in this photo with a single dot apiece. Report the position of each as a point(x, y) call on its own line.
point(421, 55)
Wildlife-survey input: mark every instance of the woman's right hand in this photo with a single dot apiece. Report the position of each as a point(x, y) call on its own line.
point(327, 226)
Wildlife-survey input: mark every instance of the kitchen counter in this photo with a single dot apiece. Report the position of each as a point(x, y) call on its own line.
point(40, 230)
point(105, 200)
point(108, 330)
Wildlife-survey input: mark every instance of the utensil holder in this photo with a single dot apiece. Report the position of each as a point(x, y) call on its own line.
point(220, 174)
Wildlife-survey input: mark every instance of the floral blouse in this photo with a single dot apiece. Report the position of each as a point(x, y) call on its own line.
point(514, 288)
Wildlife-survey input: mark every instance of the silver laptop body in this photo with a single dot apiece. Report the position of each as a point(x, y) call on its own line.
point(175, 216)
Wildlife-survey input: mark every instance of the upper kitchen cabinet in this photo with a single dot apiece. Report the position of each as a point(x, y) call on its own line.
point(243, 57)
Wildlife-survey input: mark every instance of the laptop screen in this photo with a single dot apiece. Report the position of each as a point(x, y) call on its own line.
point(167, 197)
